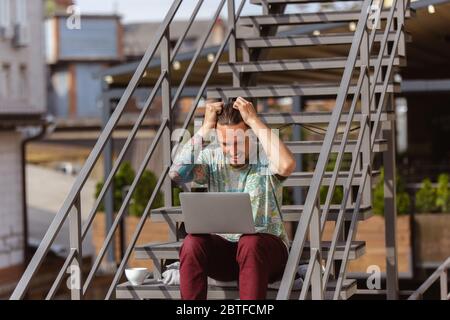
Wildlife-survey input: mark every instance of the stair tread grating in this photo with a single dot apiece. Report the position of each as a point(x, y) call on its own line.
point(154, 289)
point(309, 17)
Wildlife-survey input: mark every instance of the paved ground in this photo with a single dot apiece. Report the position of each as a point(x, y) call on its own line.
point(46, 191)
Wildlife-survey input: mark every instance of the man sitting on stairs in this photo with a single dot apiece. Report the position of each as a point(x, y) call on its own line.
point(230, 165)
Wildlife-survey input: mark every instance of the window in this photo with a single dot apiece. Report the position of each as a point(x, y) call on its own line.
point(5, 81)
point(21, 12)
point(20, 26)
point(23, 80)
point(5, 18)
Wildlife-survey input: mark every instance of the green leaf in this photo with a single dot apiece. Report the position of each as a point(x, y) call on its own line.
point(426, 197)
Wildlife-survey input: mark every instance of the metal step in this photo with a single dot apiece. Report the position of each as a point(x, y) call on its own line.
point(308, 40)
point(314, 117)
point(321, 117)
point(309, 17)
point(266, 91)
point(154, 289)
point(173, 215)
point(170, 250)
point(299, 64)
point(306, 147)
point(303, 179)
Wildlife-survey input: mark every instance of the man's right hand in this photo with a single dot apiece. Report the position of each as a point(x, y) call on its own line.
point(212, 109)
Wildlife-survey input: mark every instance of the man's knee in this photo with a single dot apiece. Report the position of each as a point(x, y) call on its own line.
point(250, 245)
point(194, 244)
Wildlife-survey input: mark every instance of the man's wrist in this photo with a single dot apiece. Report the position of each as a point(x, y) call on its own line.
point(204, 130)
point(254, 122)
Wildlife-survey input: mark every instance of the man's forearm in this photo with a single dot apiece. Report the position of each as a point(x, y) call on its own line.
point(278, 154)
point(186, 159)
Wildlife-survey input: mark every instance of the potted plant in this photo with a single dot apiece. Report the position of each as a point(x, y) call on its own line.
point(432, 223)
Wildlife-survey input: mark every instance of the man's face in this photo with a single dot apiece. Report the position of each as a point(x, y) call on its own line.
point(234, 142)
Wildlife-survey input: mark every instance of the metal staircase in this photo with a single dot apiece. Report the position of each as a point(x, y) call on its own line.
point(366, 85)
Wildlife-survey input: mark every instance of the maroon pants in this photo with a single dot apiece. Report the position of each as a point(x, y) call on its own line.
point(254, 261)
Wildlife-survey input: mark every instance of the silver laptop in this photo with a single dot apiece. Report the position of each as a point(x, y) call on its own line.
point(217, 212)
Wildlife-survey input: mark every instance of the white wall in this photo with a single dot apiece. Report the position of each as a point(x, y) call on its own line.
point(31, 56)
point(11, 219)
point(23, 97)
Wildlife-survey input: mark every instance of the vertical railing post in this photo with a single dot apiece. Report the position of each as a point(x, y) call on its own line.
point(390, 209)
point(107, 168)
point(122, 228)
point(297, 107)
point(365, 110)
point(76, 267)
point(232, 48)
point(315, 243)
point(400, 14)
point(444, 284)
point(343, 234)
point(167, 114)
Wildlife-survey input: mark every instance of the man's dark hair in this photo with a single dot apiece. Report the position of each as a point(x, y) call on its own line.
point(229, 115)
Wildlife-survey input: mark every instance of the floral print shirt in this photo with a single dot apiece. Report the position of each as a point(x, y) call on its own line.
point(205, 165)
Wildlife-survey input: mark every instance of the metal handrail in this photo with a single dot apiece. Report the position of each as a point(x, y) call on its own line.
point(136, 234)
point(378, 63)
point(347, 188)
point(339, 221)
point(313, 192)
point(362, 76)
point(442, 273)
point(121, 155)
point(355, 97)
point(353, 225)
point(354, 221)
point(125, 203)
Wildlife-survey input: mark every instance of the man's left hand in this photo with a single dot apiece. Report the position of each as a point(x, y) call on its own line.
point(247, 110)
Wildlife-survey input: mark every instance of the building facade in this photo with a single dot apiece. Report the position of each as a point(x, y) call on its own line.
point(76, 53)
point(22, 107)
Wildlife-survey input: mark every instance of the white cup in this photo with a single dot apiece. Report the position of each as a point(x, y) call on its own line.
point(136, 276)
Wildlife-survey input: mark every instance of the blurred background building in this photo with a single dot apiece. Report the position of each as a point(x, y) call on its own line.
point(22, 108)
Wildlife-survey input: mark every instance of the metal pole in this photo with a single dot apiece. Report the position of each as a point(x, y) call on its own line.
point(76, 267)
point(297, 106)
point(390, 209)
point(444, 284)
point(315, 235)
point(107, 167)
point(167, 114)
point(400, 22)
point(123, 235)
point(232, 49)
point(365, 109)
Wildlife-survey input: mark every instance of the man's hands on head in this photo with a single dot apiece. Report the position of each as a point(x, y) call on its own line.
point(247, 110)
point(212, 109)
point(280, 157)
